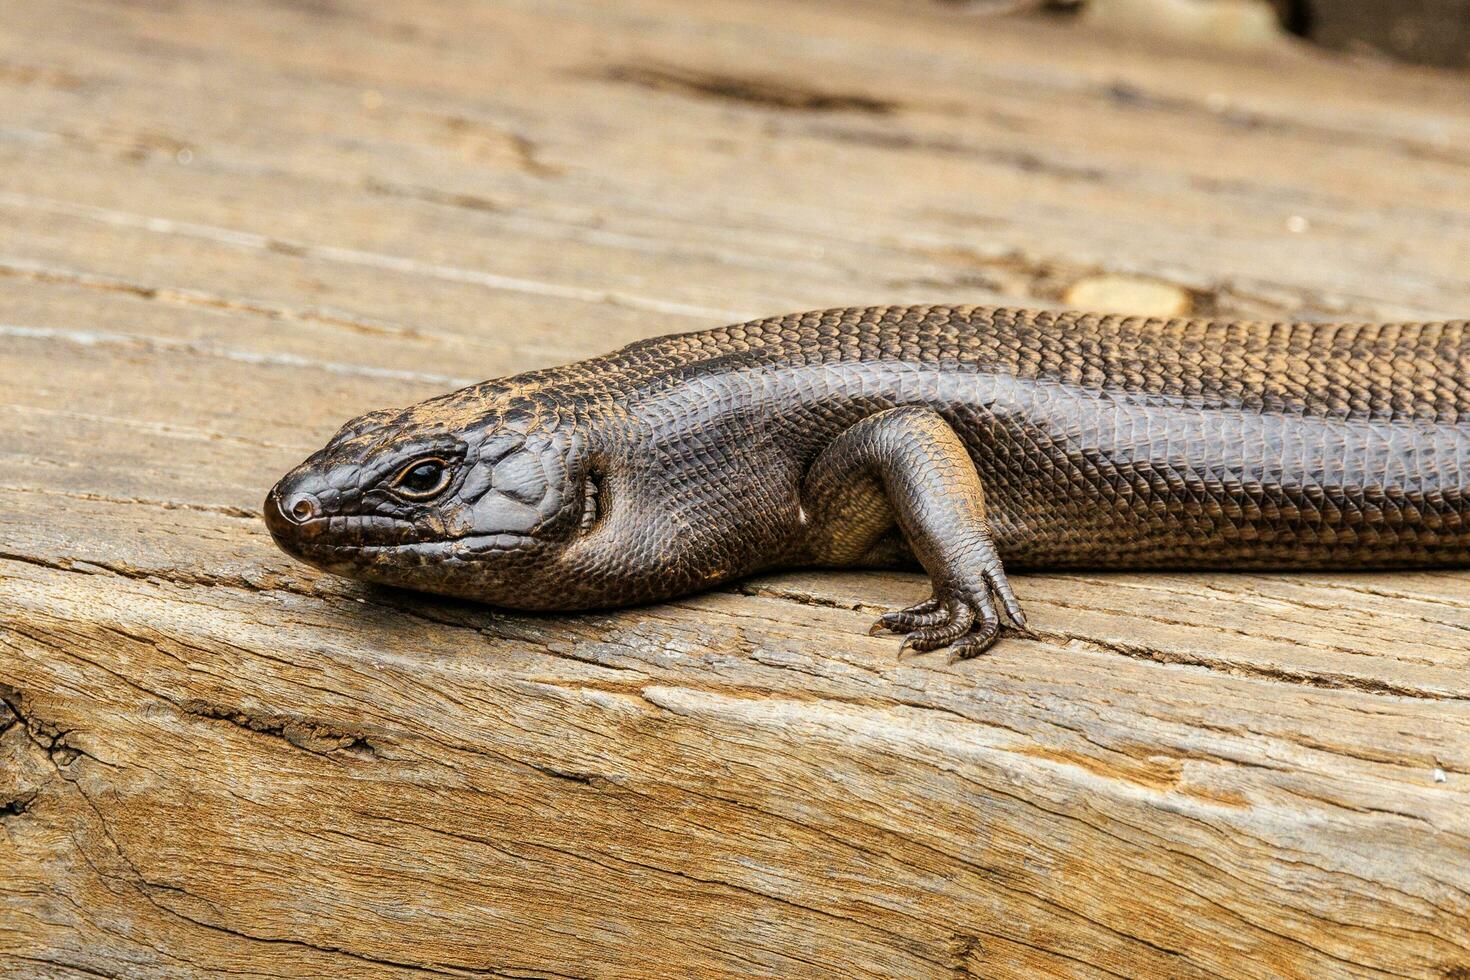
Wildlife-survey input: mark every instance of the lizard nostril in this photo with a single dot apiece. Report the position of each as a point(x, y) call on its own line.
point(302, 508)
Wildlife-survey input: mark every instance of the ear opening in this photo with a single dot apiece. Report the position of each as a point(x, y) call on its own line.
point(593, 504)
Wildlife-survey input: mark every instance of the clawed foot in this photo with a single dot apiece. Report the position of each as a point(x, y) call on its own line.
point(906, 468)
point(966, 620)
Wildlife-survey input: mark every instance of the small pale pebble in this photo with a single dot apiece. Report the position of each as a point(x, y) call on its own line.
point(1296, 224)
point(1132, 295)
point(1439, 775)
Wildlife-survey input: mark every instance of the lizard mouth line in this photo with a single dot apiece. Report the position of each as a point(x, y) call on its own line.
point(492, 541)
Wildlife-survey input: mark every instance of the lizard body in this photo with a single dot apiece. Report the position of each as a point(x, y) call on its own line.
point(959, 438)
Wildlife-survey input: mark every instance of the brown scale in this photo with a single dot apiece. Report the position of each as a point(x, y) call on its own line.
point(958, 438)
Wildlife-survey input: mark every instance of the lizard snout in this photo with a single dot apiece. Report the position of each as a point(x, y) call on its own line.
point(291, 515)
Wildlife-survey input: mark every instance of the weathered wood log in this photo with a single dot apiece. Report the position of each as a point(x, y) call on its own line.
point(223, 229)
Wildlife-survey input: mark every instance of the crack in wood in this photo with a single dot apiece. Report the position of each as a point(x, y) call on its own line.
point(383, 262)
point(1136, 651)
point(222, 510)
point(270, 582)
point(1331, 681)
point(766, 93)
point(1128, 95)
point(433, 195)
point(147, 888)
point(51, 738)
point(1089, 643)
point(97, 338)
point(152, 428)
point(582, 778)
point(305, 734)
point(17, 804)
point(178, 296)
point(1024, 160)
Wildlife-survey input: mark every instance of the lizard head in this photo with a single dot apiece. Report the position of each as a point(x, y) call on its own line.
point(479, 504)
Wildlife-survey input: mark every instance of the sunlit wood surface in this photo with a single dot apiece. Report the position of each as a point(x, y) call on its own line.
point(227, 227)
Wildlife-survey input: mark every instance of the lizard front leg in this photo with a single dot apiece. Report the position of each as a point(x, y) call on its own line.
point(907, 467)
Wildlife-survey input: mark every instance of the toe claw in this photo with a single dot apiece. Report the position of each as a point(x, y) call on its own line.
point(924, 640)
point(966, 620)
point(963, 651)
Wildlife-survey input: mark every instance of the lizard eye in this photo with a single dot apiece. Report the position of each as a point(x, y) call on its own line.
point(421, 479)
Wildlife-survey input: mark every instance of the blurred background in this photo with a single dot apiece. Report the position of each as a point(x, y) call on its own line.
point(464, 189)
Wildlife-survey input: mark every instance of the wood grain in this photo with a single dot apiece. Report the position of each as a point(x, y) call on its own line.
point(224, 228)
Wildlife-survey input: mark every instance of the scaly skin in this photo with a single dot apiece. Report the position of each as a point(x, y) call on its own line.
point(957, 437)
